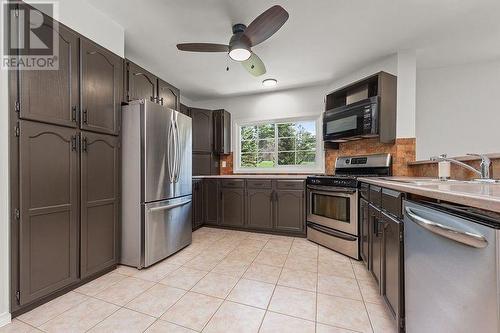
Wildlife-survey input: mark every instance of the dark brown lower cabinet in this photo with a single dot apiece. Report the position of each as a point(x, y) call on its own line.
point(100, 156)
point(364, 231)
point(211, 199)
point(49, 210)
point(260, 208)
point(290, 210)
point(392, 264)
point(233, 207)
point(376, 233)
point(197, 203)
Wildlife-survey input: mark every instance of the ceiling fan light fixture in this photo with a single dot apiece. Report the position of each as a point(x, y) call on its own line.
point(269, 82)
point(239, 54)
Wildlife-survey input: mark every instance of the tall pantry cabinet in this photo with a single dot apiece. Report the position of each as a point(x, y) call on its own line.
point(65, 169)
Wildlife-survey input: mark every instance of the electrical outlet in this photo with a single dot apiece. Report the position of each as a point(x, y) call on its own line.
point(224, 164)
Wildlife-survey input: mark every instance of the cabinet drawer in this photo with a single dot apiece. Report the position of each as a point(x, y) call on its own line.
point(233, 183)
point(290, 184)
point(363, 191)
point(259, 183)
point(392, 202)
point(375, 195)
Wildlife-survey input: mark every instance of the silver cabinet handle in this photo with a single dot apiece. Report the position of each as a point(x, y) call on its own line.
point(459, 236)
point(155, 209)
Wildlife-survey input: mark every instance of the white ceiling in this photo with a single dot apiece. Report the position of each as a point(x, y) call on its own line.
point(321, 41)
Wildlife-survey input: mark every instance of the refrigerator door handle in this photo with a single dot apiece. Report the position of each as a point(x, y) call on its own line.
point(456, 235)
point(169, 154)
point(178, 151)
point(155, 209)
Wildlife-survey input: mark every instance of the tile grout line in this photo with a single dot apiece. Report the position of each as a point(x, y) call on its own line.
point(364, 302)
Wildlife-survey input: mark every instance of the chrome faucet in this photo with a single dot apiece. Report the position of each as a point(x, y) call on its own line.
point(484, 171)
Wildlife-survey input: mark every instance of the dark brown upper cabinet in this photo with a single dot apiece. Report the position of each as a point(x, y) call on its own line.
point(168, 95)
point(100, 197)
point(185, 110)
point(101, 82)
point(222, 131)
point(141, 83)
point(202, 130)
point(52, 96)
point(49, 210)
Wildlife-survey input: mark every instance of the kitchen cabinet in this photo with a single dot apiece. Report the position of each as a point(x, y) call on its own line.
point(260, 208)
point(232, 206)
point(205, 164)
point(52, 96)
point(185, 110)
point(392, 268)
point(364, 231)
point(100, 198)
point(222, 131)
point(168, 95)
point(211, 199)
point(376, 234)
point(140, 83)
point(202, 130)
point(101, 87)
point(49, 210)
point(197, 203)
point(290, 209)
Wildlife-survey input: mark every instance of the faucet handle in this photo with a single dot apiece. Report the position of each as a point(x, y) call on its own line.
point(484, 158)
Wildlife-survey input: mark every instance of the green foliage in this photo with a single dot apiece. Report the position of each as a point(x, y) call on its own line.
point(296, 145)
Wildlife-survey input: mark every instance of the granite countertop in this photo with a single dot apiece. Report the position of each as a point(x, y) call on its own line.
point(478, 195)
point(246, 176)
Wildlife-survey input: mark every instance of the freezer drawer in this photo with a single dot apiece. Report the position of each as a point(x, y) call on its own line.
point(167, 228)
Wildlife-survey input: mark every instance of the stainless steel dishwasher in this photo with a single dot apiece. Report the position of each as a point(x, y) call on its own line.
point(452, 269)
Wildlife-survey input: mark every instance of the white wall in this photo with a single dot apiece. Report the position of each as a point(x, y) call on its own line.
point(406, 101)
point(458, 110)
point(81, 17)
point(90, 22)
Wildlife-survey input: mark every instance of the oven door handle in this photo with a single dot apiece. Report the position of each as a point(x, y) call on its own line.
point(332, 232)
point(332, 189)
point(342, 194)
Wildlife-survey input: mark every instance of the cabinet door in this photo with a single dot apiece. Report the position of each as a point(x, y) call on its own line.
point(202, 130)
point(141, 83)
point(392, 264)
point(100, 172)
point(48, 239)
point(260, 208)
point(168, 95)
point(101, 81)
point(376, 231)
point(233, 207)
point(364, 232)
point(185, 110)
point(222, 131)
point(290, 208)
point(211, 195)
point(197, 203)
point(52, 96)
point(202, 164)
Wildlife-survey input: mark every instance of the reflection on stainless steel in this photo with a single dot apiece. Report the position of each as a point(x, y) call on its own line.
point(156, 183)
point(452, 270)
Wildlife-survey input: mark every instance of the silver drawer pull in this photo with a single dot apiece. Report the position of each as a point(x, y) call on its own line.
point(459, 236)
point(155, 209)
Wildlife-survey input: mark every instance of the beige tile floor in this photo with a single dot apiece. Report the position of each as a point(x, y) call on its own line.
point(225, 281)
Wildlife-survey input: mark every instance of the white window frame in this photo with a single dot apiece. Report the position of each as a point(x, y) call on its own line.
point(318, 167)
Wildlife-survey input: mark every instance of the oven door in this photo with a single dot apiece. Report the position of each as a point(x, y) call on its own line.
point(335, 208)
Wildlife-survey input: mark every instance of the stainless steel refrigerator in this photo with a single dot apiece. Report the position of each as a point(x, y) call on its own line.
point(156, 183)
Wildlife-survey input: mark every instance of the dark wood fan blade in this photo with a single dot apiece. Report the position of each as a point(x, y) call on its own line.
point(203, 47)
point(254, 65)
point(266, 24)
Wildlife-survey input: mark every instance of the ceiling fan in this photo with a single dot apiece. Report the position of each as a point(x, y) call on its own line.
point(244, 38)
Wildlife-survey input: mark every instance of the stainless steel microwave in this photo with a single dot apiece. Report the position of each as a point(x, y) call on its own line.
point(355, 120)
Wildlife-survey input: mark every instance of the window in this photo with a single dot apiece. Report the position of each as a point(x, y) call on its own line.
point(283, 145)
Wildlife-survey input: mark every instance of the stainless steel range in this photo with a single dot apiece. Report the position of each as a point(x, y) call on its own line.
point(332, 202)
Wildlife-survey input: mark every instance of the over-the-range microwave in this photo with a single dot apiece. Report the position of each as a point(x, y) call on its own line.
point(356, 120)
